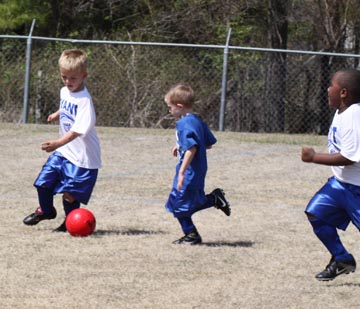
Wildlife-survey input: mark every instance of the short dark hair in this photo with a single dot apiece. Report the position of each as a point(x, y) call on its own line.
point(350, 79)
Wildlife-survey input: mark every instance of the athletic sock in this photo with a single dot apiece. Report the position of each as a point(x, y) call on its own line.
point(186, 224)
point(210, 202)
point(46, 199)
point(68, 207)
point(330, 238)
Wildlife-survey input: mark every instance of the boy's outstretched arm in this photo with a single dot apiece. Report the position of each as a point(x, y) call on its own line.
point(53, 145)
point(188, 157)
point(308, 154)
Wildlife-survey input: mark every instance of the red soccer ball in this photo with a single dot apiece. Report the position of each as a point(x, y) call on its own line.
point(80, 222)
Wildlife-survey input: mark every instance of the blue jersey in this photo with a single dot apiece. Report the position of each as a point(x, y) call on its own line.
point(192, 131)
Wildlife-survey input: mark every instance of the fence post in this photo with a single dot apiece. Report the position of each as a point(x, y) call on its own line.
point(27, 75)
point(224, 82)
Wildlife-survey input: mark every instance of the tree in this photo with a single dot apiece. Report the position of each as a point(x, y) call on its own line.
point(16, 15)
point(334, 30)
point(276, 71)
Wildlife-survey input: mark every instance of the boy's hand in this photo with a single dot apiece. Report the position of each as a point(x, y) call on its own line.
point(53, 117)
point(49, 146)
point(53, 145)
point(307, 154)
point(180, 181)
point(174, 151)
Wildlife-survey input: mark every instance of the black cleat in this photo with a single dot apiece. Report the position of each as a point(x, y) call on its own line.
point(38, 216)
point(221, 202)
point(62, 228)
point(336, 268)
point(191, 238)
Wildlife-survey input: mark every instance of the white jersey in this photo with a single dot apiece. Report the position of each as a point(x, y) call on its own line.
point(77, 114)
point(344, 137)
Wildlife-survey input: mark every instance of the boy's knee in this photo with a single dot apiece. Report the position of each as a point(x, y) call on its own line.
point(68, 198)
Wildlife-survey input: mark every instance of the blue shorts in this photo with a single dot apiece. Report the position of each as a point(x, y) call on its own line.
point(336, 203)
point(60, 175)
point(184, 203)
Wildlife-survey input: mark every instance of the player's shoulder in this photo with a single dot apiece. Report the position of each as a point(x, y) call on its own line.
point(64, 90)
point(83, 97)
point(355, 106)
point(193, 122)
point(353, 111)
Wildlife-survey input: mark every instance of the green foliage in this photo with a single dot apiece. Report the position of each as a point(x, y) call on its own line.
point(15, 14)
point(140, 75)
point(301, 34)
point(180, 21)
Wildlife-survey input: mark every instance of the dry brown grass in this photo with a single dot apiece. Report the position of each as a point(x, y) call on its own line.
point(263, 256)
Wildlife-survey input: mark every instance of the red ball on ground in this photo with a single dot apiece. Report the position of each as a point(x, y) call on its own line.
point(80, 222)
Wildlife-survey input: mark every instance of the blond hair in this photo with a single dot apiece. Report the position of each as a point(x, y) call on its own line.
point(73, 60)
point(180, 94)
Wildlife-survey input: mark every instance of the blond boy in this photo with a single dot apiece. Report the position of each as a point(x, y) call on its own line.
point(73, 166)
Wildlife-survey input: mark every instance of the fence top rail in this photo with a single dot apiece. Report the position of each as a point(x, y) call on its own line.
point(289, 51)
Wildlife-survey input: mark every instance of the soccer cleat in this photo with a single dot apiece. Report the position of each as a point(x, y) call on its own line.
point(38, 216)
point(336, 268)
point(221, 202)
point(191, 238)
point(61, 228)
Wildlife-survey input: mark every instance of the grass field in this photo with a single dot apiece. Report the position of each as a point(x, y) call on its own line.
point(263, 256)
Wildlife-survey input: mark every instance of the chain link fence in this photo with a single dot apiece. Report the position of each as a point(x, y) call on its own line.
point(266, 90)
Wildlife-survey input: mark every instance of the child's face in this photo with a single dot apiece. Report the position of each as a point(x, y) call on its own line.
point(334, 93)
point(73, 79)
point(177, 110)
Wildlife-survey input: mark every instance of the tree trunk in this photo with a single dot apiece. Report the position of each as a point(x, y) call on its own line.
point(276, 69)
point(55, 17)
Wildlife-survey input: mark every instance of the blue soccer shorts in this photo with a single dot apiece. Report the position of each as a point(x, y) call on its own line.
point(184, 203)
point(336, 203)
point(60, 175)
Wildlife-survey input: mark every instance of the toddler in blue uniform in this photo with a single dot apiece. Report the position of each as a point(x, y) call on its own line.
point(193, 139)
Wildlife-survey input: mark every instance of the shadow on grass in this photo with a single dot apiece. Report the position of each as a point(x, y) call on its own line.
point(136, 232)
point(128, 232)
point(245, 244)
point(349, 284)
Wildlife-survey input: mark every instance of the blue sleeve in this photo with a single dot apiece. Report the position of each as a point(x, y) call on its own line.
point(209, 136)
point(187, 139)
point(192, 131)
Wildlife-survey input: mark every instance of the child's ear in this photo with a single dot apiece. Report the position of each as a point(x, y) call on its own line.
point(180, 105)
point(343, 93)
